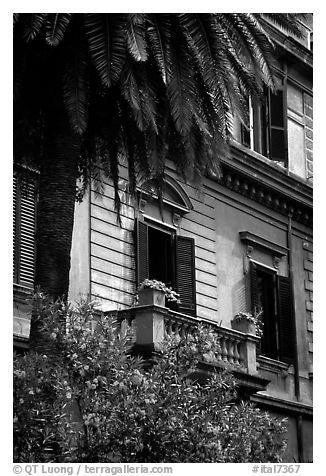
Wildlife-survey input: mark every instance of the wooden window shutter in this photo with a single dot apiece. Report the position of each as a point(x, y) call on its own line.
point(253, 287)
point(185, 274)
point(245, 129)
point(24, 231)
point(285, 321)
point(277, 126)
point(141, 251)
point(16, 231)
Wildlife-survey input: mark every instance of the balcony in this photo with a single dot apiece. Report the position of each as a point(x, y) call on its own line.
point(237, 349)
point(152, 323)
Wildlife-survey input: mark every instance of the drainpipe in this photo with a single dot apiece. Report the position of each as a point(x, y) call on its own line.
point(296, 361)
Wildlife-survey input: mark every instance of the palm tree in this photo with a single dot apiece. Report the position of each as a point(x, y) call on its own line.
point(91, 90)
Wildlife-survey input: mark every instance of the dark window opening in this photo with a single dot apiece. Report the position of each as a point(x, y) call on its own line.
point(160, 256)
point(272, 294)
point(266, 300)
point(267, 120)
point(170, 258)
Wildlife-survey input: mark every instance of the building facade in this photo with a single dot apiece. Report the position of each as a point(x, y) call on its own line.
point(242, 243)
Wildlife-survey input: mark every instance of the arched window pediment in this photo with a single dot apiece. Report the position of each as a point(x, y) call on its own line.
point(174, 196)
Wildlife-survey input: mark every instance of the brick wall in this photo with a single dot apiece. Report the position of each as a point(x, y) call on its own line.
point(308, 271)
point(308, 116)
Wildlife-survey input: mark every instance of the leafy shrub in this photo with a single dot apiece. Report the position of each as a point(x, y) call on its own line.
point(90, 400)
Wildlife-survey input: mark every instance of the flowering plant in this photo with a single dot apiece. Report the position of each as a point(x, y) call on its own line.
point(170, 294)
point(90, 399)
point(255, 319)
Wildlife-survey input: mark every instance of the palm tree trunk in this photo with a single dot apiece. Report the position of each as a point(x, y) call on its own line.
point(55, 218)
point(55, 214)
point(54, 226)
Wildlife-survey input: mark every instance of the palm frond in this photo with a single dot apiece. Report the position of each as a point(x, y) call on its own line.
point(249, 83)
point(159, 35)
point(199, 43)
point(107, 44)
point(148, 96)
point(162, 85)
point(257, 52)
point(208, 45)
point(139, 95)
point(131, 92)
point(75, 90)
point(181, 90)
point(33, 23)
point(136, 36)
point(55, 27)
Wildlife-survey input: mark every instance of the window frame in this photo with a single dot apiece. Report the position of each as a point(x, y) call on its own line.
point(284, 314)
point(261, 126)
point(183, 261)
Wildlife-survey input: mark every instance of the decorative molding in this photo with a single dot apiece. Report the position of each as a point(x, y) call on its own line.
point(257, 241)
point(259, 179)
point(183, 205)
point(276, 261)
point(22, 294)
point(176, 219)
point(247, 257)
point(254, 241)
point(293, 49)
point(271, 365)
point(142, 204)
point(275, 403)
point(175, 185)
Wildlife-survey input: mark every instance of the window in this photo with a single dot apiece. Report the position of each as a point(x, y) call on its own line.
point(168, 257)
point(24, 199)
point(272, 293)
point(266, 132)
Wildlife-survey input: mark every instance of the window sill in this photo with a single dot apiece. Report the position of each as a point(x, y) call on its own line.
point(272, 365)
point(271, 163)
point(21, 293)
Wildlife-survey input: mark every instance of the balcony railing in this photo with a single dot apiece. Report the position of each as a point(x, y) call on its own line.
point(152, 323)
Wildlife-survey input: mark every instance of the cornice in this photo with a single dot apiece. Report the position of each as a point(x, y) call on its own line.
point(21, 293)
point(281, 404)
point(246, 383)
point(255, 240)
point(259, 179)
point(287, 45)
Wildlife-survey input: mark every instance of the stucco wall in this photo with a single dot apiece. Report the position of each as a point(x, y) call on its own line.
point(79, 278)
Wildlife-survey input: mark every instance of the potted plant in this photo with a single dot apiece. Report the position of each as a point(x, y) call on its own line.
point(248, 323)
point(153, 292)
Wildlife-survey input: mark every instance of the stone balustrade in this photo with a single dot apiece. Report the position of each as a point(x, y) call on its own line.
point(152, 323)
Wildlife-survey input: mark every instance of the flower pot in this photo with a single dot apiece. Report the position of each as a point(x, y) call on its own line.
point(244, 326)
point(151, 297)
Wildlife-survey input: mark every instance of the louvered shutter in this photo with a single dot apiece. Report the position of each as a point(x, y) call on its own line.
point(285, 321)
point(253, 287)
point(24, 231)
point(185, 274)
point(277, 127)
point(245, 129)
point(16, 231)
point(141, 251)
